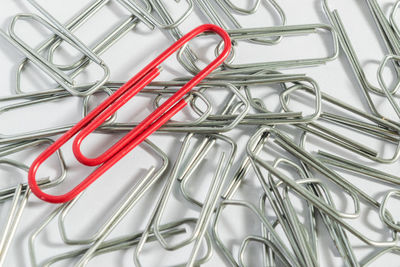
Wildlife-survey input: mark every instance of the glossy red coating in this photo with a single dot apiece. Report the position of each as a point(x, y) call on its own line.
point(137, 135)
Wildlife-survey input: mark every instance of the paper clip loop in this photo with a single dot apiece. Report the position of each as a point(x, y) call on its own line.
point(138, 134)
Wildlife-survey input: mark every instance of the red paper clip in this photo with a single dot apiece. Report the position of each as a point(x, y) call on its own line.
point(137, 135)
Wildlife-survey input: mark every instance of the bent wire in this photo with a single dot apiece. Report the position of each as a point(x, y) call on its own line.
point(42, 63)
point(70, 36)
point(210, 124)
point(265, 116)
point(241, 172)
point(245, 34)
point(323, 207)
point(301, 235)
point(353, 59)
point(388, 33)
point(285, 142)
point(154, 121)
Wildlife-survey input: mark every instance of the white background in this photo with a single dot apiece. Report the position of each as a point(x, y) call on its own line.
point(128, 56)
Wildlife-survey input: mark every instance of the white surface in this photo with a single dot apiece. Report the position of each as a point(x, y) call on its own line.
point(124, 59)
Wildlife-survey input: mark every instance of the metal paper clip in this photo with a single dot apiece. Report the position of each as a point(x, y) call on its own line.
point(186, 56)
point(136, 193)
point(287, 220)
point(195, 160)
point(110, 39)
point(246, 34)
point(59, 76)
point(112, 104)
point(353, 59)
point(286, 143)
point(52, 43)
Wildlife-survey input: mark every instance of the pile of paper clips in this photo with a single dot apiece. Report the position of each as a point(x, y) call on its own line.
point(295, 165)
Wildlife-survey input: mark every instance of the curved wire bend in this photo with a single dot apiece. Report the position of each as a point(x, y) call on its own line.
point(149, 125)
